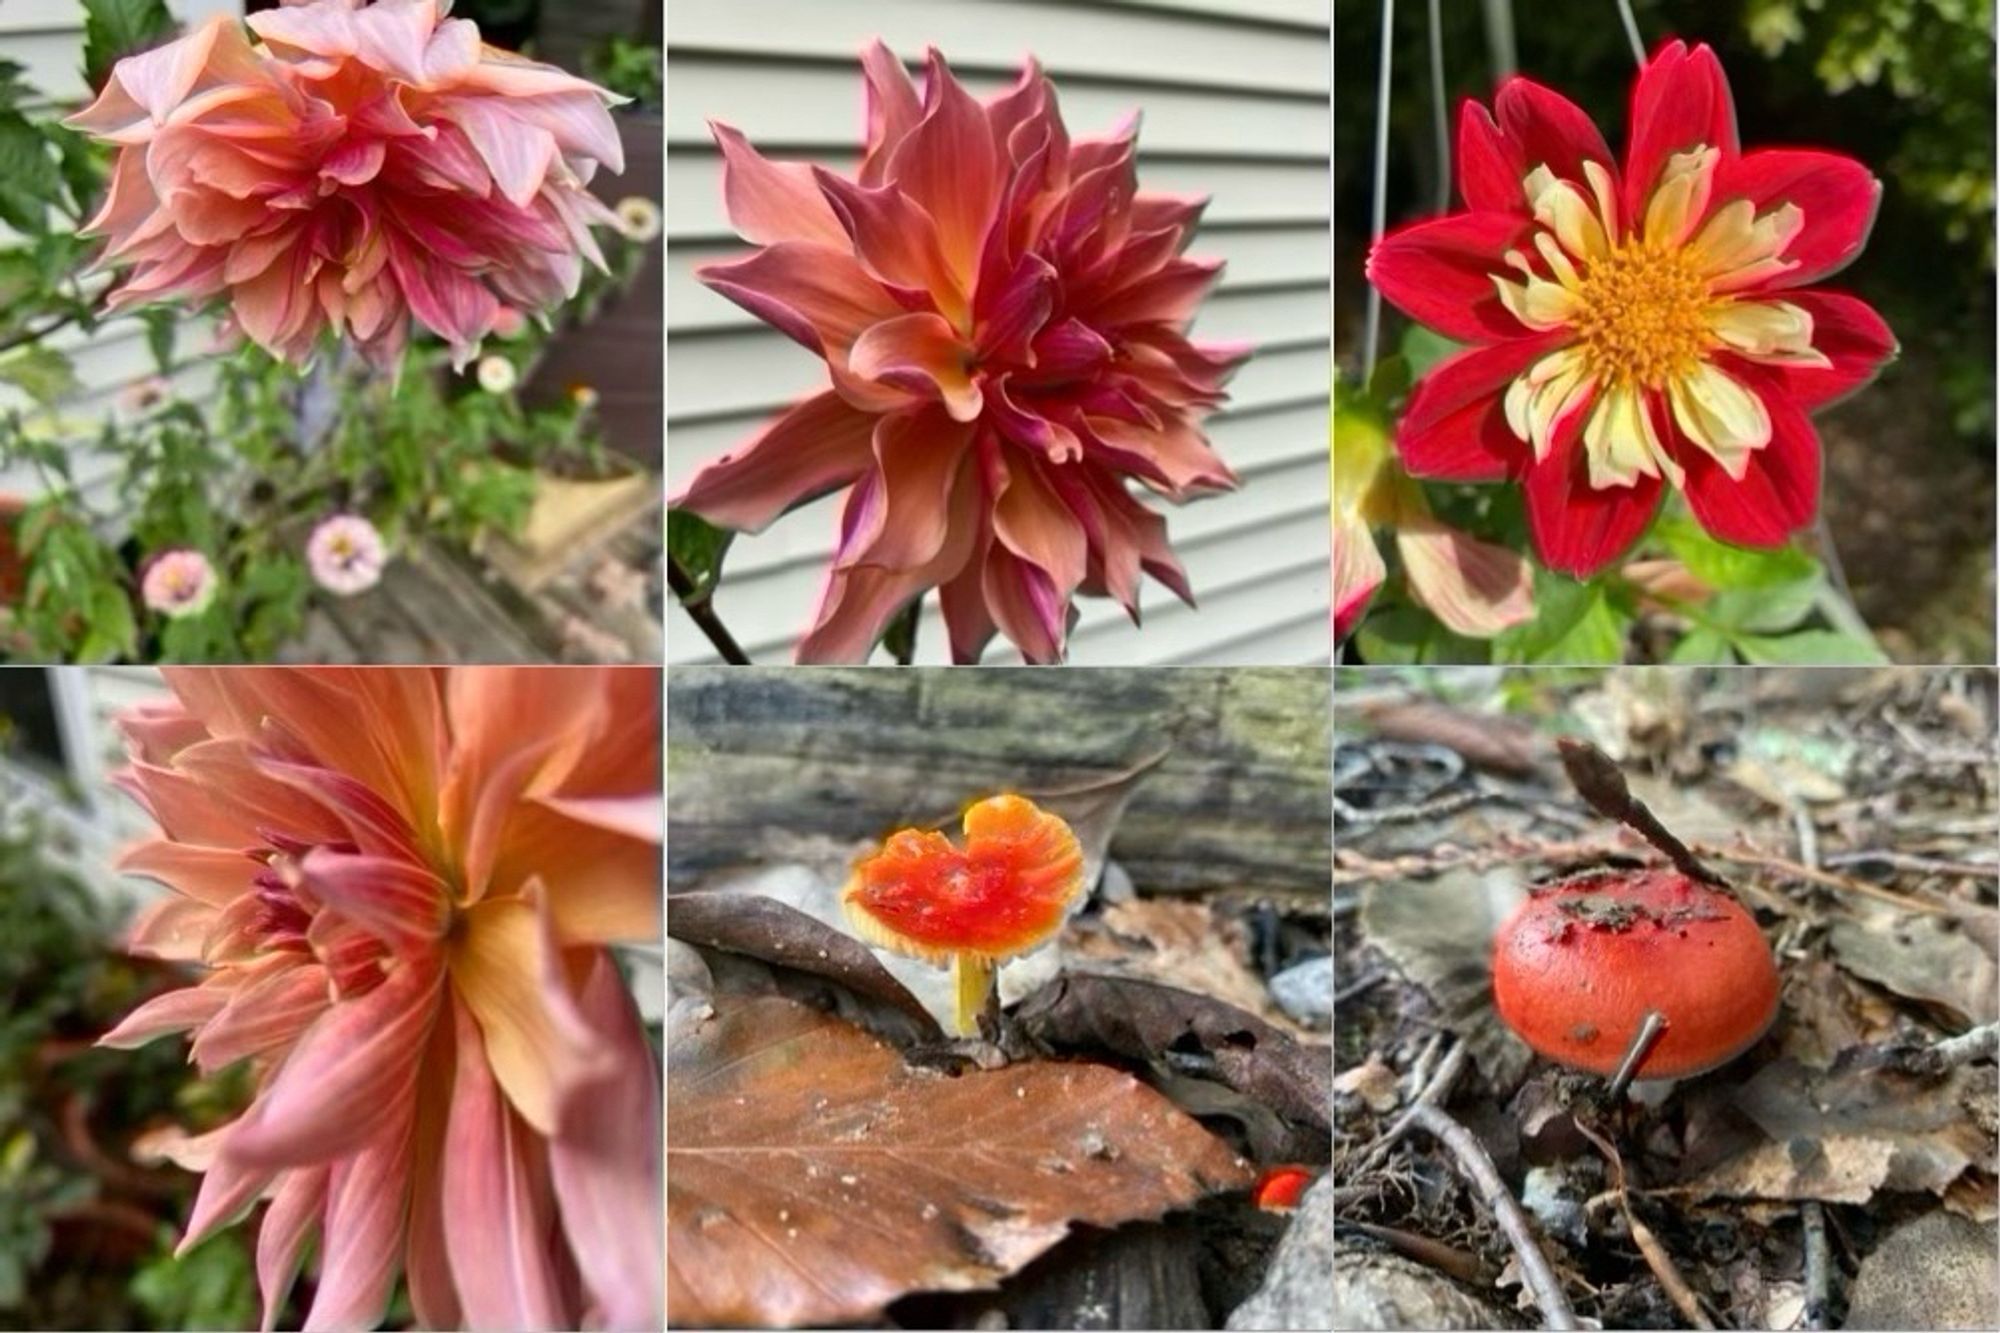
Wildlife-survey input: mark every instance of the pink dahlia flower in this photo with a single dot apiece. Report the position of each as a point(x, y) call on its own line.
point(346, 555)
point(1639, 328)
point(401, 884)
point(179, 583)
point(1003, 319)
point(357, 165)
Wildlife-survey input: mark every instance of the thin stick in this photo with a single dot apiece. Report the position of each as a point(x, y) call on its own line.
point(1500, 38)
point(1651, 1029)
point(1819, 1267)
point(1598, 780)
point(1478, 1168)
point(1440, 119)
point(1379, 216)
point(1632, 32)
point(1665, 1271)
point(1433, 1094)
point(1982, 1043)
point(703, 615)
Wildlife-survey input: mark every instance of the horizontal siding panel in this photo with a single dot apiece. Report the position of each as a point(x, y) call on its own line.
point(1139, 45)
point(788, 109)
point(1253, 258)
point(1261, 193)
point(1309, 14)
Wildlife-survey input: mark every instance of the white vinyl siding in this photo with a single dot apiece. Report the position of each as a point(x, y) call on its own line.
point(45, 37)
point(1233, 95)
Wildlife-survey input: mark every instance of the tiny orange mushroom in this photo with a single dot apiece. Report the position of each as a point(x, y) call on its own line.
point(1004, 894)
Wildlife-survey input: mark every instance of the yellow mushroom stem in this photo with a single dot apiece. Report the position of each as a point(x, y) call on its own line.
point(972, 982)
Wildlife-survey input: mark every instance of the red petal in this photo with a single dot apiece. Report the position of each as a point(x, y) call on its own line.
point(1545, 128)
point(816, 447)
point(816, 294)
point(1440, 273)
point(1680, 102)
point(1578, 530)
point(1454, 428)
point(1837, 195)
point(1851, 335)
point(1489, 166)
point(1778, 495)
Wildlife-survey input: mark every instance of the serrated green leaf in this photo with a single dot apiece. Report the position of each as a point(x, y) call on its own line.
point(1702, 647)
point(30, 181)
point(1575, 624)
point(698, 548)
point(1723, 566)
point(1771, 610)
point(1409, 636)
point(114, 29)
point(1813, 647)
point(40, 371)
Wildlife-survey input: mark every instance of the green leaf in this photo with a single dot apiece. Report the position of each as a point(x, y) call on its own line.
point(30, 181)
point(1771, 610)
point(1813, 647)
point(1702, 647)
point(899, 640)
point(1575, 624)
point(1424, 348)
point(161, 324)
point(698, 548)
point(1722, 566)
point(114, 29)
point(41, 372)
point(1391, 380)
point(1409, 636)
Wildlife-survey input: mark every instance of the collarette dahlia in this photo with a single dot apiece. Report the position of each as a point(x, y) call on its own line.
point(359, 164)
point(1003, 318)
point(1638, 328)
point(402, 884)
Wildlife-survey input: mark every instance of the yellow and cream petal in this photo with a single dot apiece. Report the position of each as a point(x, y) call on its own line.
point(1737, 249)
point(1538, 303)
point(1720, 416)
point(1777, 332)
point(1537, 402)
point(1606, 192)
point(1681, 198)
point(1562, 208)
point(1620, 444)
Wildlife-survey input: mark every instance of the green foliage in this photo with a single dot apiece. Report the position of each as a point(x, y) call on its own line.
point(630, 69)
point(213, 1287)
point(698, 548)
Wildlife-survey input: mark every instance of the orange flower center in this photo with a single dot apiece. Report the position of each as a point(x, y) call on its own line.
point(1641, 315)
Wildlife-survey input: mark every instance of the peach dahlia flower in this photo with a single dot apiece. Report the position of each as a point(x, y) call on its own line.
point(357, 165)
point(401, 884)
point(1003, 317)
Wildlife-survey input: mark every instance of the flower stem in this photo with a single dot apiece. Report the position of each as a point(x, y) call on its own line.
point(1632, 32)
point(1440, 119)
point(703, 614)
point(1379, 212)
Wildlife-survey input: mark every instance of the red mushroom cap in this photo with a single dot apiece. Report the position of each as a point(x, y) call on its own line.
point(1578, 965)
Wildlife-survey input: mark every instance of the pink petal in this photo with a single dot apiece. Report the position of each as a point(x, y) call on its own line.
point(174, 928)
point(1032, 521)
point(281, 1237)
point(265, 1015)
point(1475, 588)
point(518, 154)
point(922, 354)
point(918, 456)
point(496, 1203)
point(175, 1011)
point(229, 1189)
point(401, 902)
point(367, 1197)
point(817, 446)
point(949, 167)
point(770, 203)
point(1357, 572)
point(892, 108)
point(360, 1057)
point(817, 295)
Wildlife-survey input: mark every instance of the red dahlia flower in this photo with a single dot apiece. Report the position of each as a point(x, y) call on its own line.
point(358, 164)
point(1003, 318)
point(1632, 329)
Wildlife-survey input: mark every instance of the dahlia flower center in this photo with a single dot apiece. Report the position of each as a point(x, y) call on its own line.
point(1641, 316)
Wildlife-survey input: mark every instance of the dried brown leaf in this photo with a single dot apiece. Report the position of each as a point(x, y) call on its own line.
point(812, 1178)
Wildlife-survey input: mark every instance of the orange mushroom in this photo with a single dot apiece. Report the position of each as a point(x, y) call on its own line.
point(1578, 965)
point(1005, 894)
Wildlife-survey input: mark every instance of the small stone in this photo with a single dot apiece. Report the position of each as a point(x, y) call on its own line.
point(1938, 1271)
point(1305, 992)
point(1297, 1291)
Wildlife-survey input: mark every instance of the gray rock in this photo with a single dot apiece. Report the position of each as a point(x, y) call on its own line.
point(1298, 1290)
point(1305, 992)
point(1937, 1271)
point(1386, 1291)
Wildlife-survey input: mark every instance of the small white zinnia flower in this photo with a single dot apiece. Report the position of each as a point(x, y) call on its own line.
point(497, 374)
point(179, 583)
point(346, 555)
point(640, 218)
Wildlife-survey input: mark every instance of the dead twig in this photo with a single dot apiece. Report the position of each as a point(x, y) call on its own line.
point(1742, 853)
point(1982, 1043)
point(1447, 1259)
point(1922, 865)
point(1434, 1093)
point(1643, 1041)
point(1478, 1169)
point(1665, 1271)
point(1598, 780)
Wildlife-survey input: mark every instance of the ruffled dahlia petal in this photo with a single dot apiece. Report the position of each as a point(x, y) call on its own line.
point(1681, 102)
point(266, 1015)
point(768, 202)
point(497, 1202)
point(969, 626)
point(949, 167)
point(1545, 128)
point(1778, 494)
point(228, 1190)
point(164, 1015)
point(174, 928)
point(1024, 602)
point(1455, 427)
point(921, 354)
point(359, 1057)
point(1836, 196)
point(815, 447)
point(918, 457)
point(892, 108)
point(818, 295)
point(605, 1162)
point(896, 241)
point(1474, 588)
point(404, 904)
point(294, 1214)
point(1578, 529)
point(1440, 273)
point(361, 1243)
point(1031, 520)
point(1850, 335)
